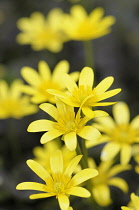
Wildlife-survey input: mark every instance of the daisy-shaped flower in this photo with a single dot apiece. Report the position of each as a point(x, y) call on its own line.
point(42, 32)
point(43, 154)
point(68, 125)
point(78, 25)
point(13, 103)
point(42, 80)
point(107, 177)
point(59, 182)
point(120, 134)
point(134, 204)
point(84, 95)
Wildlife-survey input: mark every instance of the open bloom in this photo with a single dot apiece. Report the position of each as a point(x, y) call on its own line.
point(42, 80)
point(13, 103)
point(120, 134)
point(43, 154)
point(78, 25)
point(84, 95)
point(59, 183)
point(68, 125)
point(106, 178)
point(134, 204)
point(42, 32)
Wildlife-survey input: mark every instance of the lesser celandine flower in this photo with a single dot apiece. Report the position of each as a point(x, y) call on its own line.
point(42, 32)
point(84, 95)
point(120, 134)
point(43, 154)
point(78, 25)
point(105, 179)
point(13, 103)
point(68, 125)
point(59, 182)
point(134, 204)
point(42, 80)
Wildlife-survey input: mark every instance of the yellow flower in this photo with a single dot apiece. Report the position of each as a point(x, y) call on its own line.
point(12, 103)
point(78, 25)
point(59, 183)
point(106, 178)
point(67, 124)
point(120, 134)
point(134, 204)
point(85, 96)
point(42, 32)
point(43, 154)
point(40, 81)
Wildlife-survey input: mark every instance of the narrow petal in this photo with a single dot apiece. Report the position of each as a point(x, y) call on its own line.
point(135, 200)
point(88, 112)
point(109, 151)
point(102, 195)
point(86, 78)
point(125, 208)
point(50, 135)
point(103, 104)
point(56, 162)
point(50, 109)
point(70, 140)
point(117, 169)
point(100, 113)
point(40, 125)
point(72, 165)
point(120, 183)
point(41, 195)
point(31, 76)
point(78, 191)
point(3, 89)
point(63, 201)
point(70, 84)
point(104, 85)
point(121, 113)
point(106, 122)
point(89, 133)
point(31, 186)
point(84, 175)
point(126, 153)
point(15, 89)
point(57, 93)
point(28, 89)
point(44, 70)
point(135, 122)
point(109, 94)
point(38, 169)
point(61, 68)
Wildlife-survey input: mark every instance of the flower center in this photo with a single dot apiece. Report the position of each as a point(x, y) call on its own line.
point(70, 126)
point(59, 187)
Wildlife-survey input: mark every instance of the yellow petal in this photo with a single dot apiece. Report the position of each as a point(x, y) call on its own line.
point(50, 135)
point(28, 89)
point(89, 133)
point(106, 122)
point(135, 122)
point(31, 186)
point(104, 85)
point(78, 12)
point(56, 162)
point(74, 75)
point(126, 153)
point(63, 201)
point(101, 194)
point(15, 89)
point(38, 169)
point(86, 78)
point(103, 104)
point(120, 183)
point(96, 14)
point(70, 84)
point(40, 125)
point(108, 94)
point(31, 76)
point(109, 151)
point(125, 208)
point(117, 169)
point(135, 200)
point(72, 165)
point(50, 109)
point(83, 175)
point(3, 89)
point(61, 68)
point(41, 195)
point(44, 70)
point(70, 140)
point(88, 112)
point(100, 113)
point(79, 191)
point(121, 113)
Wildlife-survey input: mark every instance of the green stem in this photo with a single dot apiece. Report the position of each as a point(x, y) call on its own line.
point(88, 53)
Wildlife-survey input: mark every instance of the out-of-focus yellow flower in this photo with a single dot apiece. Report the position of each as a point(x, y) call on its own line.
point(59, 182)
point(135, 153)
point(13, 103)
point(43, 154)
point(42, 32)
point(40, 81)
point(84, 95)
point(78, 25)
point(106, 178)
point(120, 134)
point(67, 124)
point(134, 204)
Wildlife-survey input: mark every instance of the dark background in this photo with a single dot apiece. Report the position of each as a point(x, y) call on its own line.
point(116, 54)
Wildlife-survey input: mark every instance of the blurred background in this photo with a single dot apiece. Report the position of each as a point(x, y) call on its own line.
point(116, 54)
